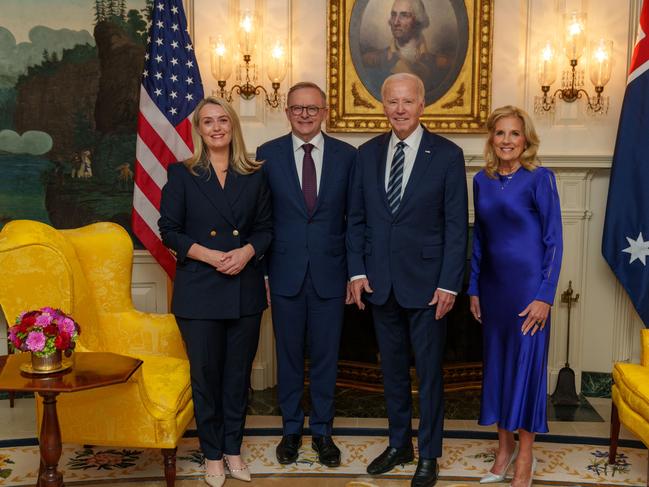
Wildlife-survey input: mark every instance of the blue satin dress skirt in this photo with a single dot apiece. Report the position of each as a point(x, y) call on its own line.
point(517, 250)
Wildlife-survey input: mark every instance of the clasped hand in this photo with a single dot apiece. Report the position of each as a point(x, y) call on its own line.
point(232, 262)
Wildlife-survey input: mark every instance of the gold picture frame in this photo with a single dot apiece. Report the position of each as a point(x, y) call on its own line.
point(456, 68)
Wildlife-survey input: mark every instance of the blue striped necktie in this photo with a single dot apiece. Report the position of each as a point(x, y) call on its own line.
point(396, 177)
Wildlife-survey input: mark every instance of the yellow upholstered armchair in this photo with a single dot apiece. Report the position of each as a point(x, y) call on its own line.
point(630, 405)
point(86, 272)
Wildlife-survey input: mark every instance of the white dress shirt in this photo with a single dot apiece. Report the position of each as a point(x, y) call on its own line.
point(316, 153)
point(410, 152)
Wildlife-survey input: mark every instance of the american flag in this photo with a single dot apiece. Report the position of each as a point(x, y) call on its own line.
point(625, 243)
point(171, 89)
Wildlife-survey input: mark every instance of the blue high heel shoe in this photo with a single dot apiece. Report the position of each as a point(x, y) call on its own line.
point(492, 478)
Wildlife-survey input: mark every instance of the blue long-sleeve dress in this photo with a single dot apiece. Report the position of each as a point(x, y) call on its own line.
point(517, 249)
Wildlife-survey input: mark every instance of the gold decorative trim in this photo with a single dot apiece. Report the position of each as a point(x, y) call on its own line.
point(462, 108)
point(359, 101)
point(458, 101)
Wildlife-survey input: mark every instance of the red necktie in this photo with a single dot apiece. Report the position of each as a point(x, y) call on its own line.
point(309, 181)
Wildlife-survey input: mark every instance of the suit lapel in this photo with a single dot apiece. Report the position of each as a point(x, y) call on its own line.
point(422, 162)
point(287, 159)
point(234, 185)
point(382, 156)
point(212, 190)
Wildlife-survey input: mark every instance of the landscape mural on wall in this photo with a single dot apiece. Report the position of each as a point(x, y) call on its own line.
point(69, 87)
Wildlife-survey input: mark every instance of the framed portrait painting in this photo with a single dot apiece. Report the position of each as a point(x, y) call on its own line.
point(447, 43)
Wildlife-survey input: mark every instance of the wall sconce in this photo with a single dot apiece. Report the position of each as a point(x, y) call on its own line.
point(600, 65)
point(222, 59)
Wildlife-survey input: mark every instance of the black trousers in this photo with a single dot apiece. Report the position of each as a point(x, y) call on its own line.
point(398, 331)
point(220, 358)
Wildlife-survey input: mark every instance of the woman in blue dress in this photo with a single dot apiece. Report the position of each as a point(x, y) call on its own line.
point(517, 249)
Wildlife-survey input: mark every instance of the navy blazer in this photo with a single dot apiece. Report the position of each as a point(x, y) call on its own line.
point(195, 209)
point(302, 241)
point(421, 247)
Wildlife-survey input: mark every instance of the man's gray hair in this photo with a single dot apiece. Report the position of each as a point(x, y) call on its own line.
point(307, 84)
point(421, 91)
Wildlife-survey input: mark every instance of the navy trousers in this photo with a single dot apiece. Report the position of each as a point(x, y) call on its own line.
point(220, 359)
point(398, 331)
point(306, 318)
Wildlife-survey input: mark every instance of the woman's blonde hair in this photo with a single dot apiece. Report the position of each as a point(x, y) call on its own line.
point(528, 157)
point(239, 160)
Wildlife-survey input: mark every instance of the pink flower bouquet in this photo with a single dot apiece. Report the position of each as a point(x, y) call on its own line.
point(44, 332)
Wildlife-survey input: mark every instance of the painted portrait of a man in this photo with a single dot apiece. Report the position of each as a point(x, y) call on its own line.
point(427, 38)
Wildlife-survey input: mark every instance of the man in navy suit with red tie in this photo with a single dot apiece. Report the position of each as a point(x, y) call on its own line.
point(308, 173)
point(406, 251)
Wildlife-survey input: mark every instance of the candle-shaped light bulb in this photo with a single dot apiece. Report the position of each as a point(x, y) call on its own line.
point(547, 64)
point(601, 61)
point(575, 34)
point(247, 33)
point(220, 58)
point(247, 23)
point(276, 61)
point(574, 29)
point(219, 49)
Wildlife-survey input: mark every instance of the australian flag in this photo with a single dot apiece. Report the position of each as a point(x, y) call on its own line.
point(625, 244)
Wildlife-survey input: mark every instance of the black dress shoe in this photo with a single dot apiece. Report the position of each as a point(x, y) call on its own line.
point(328, 452)
point(426, 473)
point(288, 449)
point(389, 459)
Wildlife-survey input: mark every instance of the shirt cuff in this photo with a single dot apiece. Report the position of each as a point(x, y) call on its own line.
point(356, 278)
point(447, 291)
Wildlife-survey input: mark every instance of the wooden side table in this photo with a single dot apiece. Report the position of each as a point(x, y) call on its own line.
point(90, 370)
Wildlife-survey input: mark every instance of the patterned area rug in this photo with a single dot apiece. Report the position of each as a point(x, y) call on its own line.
point(463, 459)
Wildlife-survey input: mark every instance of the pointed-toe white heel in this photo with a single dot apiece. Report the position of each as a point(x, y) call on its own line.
point(492, 478)
point(529, 484)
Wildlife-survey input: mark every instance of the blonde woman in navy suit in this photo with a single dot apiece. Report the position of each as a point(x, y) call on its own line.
point(215, 214)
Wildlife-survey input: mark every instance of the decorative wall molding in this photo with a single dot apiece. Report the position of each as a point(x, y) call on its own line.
point(624, 326)
point(141, 256)
point(189, 15)
point(574, 180)
point(149, 284)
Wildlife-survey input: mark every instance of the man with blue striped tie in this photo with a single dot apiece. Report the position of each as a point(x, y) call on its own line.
point(406, 238)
